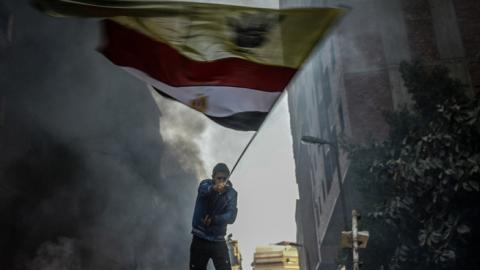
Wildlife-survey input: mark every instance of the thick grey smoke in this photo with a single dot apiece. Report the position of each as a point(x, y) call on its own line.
point(63, 254)
point(86, 180)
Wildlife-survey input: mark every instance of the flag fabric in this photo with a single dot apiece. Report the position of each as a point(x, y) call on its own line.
point(229, 62)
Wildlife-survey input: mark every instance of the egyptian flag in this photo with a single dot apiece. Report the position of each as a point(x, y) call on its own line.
point(229, 62)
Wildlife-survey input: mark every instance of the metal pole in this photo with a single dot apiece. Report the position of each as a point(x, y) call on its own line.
point(355, 240)
point(243, 152)
point(275, 105)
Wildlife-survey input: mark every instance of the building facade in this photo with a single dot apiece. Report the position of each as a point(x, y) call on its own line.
point(348, 84)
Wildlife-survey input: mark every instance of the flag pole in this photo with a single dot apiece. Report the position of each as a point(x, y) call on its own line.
point(275, 105)
point(316, 47)
point(245, 149)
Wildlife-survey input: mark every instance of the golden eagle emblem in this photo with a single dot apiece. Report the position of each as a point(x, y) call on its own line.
point(251, 29)
point(199, 103)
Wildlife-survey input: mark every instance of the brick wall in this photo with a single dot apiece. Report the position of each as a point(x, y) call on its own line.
point(366, 79)
point(421, 39)
point(468, 17)
point(369, 96)
point(362, 52)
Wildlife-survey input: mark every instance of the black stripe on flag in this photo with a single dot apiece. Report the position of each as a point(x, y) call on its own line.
point(244, 121)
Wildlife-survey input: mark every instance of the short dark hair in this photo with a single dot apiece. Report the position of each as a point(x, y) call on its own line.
point(221, 167)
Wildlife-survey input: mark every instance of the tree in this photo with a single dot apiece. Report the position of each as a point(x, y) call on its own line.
point(421, 186)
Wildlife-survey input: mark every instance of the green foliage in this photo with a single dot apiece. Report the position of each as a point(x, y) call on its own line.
point(421, 186)
point(429, 87)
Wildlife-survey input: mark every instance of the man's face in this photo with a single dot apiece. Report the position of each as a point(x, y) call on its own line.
point(219, 178)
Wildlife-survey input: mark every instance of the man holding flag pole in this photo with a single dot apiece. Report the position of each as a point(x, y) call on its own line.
point(215, 207)
point(230, 63)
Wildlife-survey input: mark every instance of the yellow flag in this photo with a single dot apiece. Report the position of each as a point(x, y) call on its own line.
point(208, 32)
point(231, 63)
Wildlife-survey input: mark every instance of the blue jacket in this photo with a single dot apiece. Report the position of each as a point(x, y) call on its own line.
point(221, 206)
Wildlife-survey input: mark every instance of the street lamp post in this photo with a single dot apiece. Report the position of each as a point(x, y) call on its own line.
point(320, 141)
point(355, 239)
point(356, 261)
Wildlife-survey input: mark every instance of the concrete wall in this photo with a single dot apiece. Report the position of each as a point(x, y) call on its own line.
point(352, 79)
point(318, 109)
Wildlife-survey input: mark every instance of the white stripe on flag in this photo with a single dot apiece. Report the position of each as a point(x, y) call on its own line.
point(222, 101)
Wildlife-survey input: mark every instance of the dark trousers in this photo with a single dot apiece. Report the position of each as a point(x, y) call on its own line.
point(202, 250)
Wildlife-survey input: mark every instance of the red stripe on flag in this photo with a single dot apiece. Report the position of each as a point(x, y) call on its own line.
point(126, 47)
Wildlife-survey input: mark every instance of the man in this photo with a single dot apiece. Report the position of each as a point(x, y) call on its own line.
point(216, 206)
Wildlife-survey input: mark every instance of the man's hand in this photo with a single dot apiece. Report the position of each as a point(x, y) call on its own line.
point(207, 220)
point(220, 186)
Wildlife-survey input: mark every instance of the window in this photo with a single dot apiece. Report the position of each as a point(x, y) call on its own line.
point(324, 121)
point(341, 117)
point(324, 192)
point(318, 202)
point(333, 140)
point(326, 87)
point(327, 157)
point(332, 54)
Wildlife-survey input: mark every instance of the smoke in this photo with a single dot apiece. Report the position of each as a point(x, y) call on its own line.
point(86, 179)
point(59, 255)
point(180, 128)
point(6, 25)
